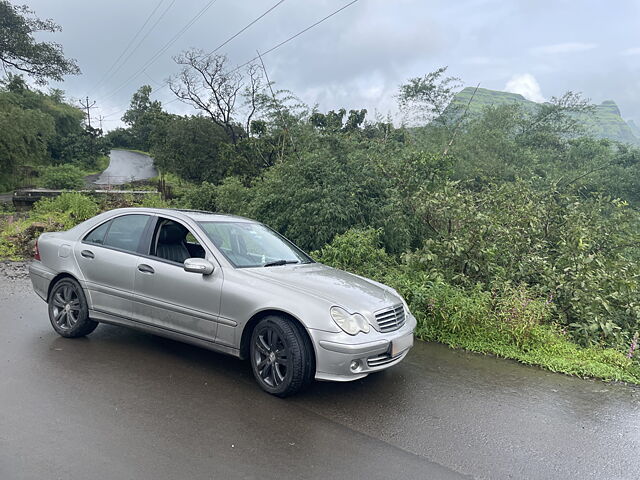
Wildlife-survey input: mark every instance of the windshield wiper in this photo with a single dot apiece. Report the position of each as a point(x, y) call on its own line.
point(277, 263)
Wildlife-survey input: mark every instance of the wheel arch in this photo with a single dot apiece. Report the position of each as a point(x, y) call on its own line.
point(253, 321)
point(59, 277)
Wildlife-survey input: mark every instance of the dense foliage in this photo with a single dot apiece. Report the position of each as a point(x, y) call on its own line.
point(41, 129)
point(510, 208)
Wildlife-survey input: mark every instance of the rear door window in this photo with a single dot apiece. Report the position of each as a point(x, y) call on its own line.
point(126, 232)
point(97, 234)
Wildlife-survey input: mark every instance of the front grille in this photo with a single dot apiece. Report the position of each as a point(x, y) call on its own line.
point(382, 359)
point(390, 319)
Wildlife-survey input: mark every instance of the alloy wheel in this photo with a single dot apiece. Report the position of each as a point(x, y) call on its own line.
point(66, 307)
point(271, 356)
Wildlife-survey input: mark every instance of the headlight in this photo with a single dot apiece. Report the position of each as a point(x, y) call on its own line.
point(351, 323)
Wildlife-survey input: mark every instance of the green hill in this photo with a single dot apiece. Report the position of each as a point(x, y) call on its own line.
point(605, 122)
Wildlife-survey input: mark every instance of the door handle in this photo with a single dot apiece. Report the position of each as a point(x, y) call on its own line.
point(87, 254)
point(144, 268)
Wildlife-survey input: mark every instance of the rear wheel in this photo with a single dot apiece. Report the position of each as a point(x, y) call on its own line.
point(68, 310)
point(281, 358)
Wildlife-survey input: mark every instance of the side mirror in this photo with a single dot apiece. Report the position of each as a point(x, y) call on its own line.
point(198, 265)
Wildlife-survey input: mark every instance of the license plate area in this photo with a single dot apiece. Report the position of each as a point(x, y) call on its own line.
point(401, 344)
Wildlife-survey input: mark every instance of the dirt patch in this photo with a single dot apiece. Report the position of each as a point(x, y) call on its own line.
point(14, 270)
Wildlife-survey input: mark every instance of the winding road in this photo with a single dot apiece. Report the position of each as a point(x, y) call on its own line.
point(125, 404)
point(126, 166)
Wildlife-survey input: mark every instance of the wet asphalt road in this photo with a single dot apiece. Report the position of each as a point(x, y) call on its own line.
point(125, 166)
point(122, 404)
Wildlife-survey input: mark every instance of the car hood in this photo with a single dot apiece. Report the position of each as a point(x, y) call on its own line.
point(355, 293)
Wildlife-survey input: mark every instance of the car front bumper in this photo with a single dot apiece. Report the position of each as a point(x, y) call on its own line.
point(340, 359)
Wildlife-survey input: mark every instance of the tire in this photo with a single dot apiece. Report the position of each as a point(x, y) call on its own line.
point(68, 310)
point(281, 356)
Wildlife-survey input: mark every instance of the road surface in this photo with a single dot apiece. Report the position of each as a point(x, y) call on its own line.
point(125, 166)
point(128, 405)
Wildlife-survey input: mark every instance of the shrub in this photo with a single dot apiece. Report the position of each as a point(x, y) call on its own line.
point(65, 177)
point(579, 249)
point(151, 200)
point(358, 251)
point(202, 197)
point(76, 206)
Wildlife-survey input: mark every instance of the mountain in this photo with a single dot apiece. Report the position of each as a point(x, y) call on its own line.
point(634, 128)
point(605, 122)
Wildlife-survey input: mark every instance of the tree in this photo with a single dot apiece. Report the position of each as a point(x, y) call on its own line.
point(423, 99)
point(206, 83)
point(142, 116)
point(561, 117)
point(334, 121)
point(141, 104)
point(39, 129)
point(195, 148)
point(20, 51)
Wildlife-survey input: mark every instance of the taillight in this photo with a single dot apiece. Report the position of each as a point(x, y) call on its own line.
point(36, 251)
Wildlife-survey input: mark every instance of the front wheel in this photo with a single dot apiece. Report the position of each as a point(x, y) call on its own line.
point(281, 358)
point(68, 310)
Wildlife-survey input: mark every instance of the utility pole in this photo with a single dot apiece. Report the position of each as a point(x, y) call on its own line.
point(87, 106)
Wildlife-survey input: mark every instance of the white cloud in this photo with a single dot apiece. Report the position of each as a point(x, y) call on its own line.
point(560, 48)
point(526, 85)
point(631, 51)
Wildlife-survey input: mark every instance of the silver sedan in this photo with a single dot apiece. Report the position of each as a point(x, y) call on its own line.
point(225, 283)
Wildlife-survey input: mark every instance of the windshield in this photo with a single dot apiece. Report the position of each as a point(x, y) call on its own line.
point(252, 244)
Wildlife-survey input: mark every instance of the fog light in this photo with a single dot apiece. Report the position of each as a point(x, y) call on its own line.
point(355, 365)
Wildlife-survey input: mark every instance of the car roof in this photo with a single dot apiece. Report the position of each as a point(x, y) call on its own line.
point(196, 215)
point(204, 216)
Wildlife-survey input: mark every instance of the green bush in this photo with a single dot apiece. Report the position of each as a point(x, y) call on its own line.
point(151, 200)
point(359, 251)
point(63, 177)
point(76, 206)
point(578, 250)
point(48, 215)
point(202, 197)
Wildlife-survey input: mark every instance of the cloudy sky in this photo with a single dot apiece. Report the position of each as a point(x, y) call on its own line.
point(357, 58)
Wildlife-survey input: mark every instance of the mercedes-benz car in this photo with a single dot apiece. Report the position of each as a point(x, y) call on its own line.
point(226, 283)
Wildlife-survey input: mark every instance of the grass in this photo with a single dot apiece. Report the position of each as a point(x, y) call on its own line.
point(510, 324)
point(552, 352)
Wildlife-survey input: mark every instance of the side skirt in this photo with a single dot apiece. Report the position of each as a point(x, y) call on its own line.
point(181, 337)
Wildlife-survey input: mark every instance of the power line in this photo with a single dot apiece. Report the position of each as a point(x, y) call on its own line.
point(275, 47)
point(273, 7)
point(265, 13)
point(246, 27)
point(164, 48)
point(294, 36)
point(133, 39)
point(164, 12)
point(159, 85)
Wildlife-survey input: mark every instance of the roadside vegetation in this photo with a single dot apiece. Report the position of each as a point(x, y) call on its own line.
point(43, 141)
point(508, 230)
